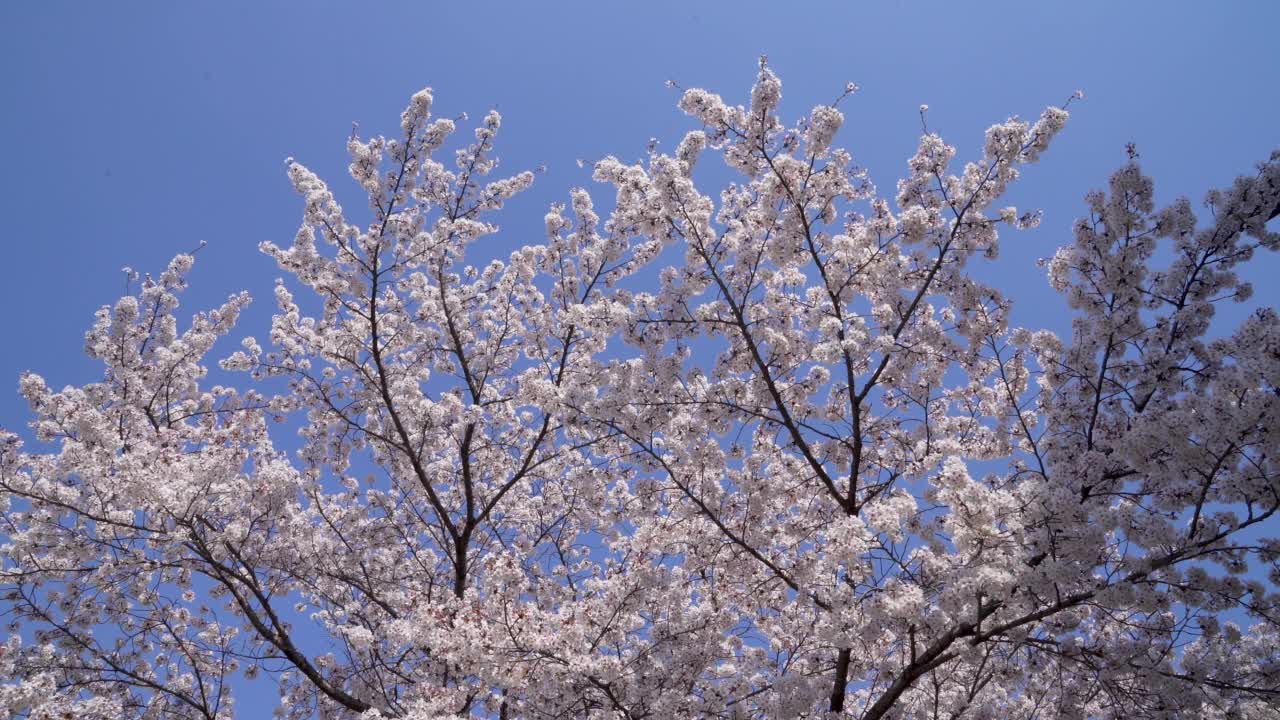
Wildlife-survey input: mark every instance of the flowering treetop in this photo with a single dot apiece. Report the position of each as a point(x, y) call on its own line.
point(698, 455)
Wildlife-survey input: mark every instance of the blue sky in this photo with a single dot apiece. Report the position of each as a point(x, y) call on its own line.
point(132, 131)
point(135, 130)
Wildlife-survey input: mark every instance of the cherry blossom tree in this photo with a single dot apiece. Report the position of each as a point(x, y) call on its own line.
point(764, 452)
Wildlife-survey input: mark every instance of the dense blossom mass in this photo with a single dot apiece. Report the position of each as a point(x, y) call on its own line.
point(763, 452)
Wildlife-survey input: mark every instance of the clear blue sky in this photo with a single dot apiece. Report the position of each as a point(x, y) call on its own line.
point(134, 130)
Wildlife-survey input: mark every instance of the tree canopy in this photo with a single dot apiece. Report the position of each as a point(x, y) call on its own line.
point(768, 450)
